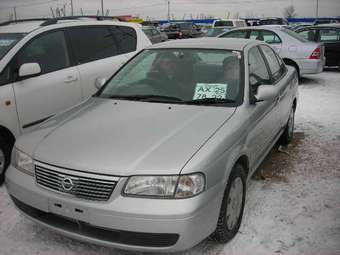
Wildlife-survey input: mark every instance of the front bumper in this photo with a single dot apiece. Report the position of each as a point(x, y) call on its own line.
point(311, 66)
point(121, 222)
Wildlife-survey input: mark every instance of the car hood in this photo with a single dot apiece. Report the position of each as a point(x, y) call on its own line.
point(118, 137)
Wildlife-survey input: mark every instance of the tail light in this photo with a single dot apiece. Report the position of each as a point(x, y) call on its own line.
point(315, 54)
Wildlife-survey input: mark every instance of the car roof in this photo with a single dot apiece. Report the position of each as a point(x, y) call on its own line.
point(332, 25)
point(24, 27)
point(29, 26)
point(206, 43)
point(266, 27)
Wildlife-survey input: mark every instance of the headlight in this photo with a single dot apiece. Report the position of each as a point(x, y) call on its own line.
point(182, 186)
point(23, 162)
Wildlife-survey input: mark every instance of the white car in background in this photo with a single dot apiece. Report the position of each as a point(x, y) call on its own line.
point(48, 66)
point(305, 56)
point(229, 23)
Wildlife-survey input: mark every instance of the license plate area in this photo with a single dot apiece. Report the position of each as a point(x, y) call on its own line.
point(76, 213)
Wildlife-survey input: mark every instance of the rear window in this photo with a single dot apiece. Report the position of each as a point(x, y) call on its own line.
point(7, 42)
point(294, 35)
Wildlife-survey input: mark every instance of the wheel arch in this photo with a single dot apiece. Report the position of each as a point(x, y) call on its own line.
point(7, 135)
point(289, 61)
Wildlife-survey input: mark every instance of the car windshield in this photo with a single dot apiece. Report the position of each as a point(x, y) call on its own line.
point(294, 35)
point(7, 42)
point(186, 76)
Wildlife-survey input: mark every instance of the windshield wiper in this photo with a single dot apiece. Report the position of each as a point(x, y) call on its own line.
point(210, 101)
point(150, 98)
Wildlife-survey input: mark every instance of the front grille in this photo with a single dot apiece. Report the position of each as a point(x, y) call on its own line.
point(103, 234)
point(79, 184)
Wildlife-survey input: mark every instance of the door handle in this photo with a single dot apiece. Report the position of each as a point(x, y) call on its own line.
point(70, 79)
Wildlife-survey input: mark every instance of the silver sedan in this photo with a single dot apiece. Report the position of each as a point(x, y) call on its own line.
point(160, 157)
point(306, 57)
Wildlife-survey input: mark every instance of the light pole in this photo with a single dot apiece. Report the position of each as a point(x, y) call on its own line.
point(317, 10)
point(102, 7)
point(169, 11)
point(71, 7)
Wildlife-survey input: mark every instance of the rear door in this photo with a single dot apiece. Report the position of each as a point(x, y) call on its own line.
point(278, 71)
point(55, 89)
point(330, 37)
point(264, 114)
point(100, 51)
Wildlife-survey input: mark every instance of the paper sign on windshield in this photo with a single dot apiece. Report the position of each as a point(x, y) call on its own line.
point(6, 42)
point(210, 90)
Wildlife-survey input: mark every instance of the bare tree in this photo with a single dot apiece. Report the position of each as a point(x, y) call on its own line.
point(289, 12)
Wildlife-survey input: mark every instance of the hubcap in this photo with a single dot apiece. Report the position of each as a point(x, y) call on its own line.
point(291, 123)
point(2, 161)
point(234, 203)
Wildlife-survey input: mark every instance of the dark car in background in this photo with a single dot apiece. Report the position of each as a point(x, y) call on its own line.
point(329, 35)
point(273, 21)
point(154, 35)
point(180, 30)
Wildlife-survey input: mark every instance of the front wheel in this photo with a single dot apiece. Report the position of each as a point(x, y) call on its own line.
point(5, 152)
point(231, 212)
point(287, 135)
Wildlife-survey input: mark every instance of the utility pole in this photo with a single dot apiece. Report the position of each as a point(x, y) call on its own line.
point(15, 13)
point(71, 7)
point(168, 11)
point(317, 9)
point(102, 1)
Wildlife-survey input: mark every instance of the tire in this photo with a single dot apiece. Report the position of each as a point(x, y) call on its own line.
point(5, 154)
point(227, 227)
point(288, 133)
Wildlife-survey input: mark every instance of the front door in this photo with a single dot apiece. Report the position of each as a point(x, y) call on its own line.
point(55, 89)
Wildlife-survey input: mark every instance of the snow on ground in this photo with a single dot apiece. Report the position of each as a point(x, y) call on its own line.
point(293, 202)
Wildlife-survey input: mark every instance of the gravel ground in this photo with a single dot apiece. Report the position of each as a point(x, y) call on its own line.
point(293, 201)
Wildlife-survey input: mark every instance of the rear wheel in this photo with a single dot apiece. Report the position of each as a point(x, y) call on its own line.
point(231, 212)
point(288, 133)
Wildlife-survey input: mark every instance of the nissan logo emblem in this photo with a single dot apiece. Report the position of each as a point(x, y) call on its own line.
point(67, 184)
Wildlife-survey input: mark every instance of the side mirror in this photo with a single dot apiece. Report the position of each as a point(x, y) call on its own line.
point(100, 81)
point(266, 92)
point(29, 70)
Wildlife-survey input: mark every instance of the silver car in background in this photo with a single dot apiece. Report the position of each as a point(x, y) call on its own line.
point(159, 158)
point(305, 56)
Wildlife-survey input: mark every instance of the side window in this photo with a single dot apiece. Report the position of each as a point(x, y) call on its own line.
point(273, 62)
point(270, 37)
point(93, 43)
point(5, 76)
point(257, 68)
point(256, 35)
point(329, 35)
point(308, 34)
point(48, 50)
point(126, 38)
point(235, 34)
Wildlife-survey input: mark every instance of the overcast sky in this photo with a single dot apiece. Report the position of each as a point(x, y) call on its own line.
point(158, 8)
